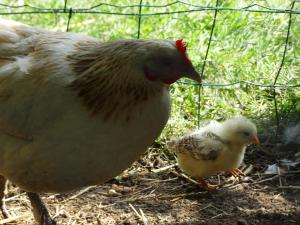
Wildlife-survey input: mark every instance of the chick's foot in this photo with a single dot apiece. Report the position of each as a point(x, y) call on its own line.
point(204, 184)
point(236, 172)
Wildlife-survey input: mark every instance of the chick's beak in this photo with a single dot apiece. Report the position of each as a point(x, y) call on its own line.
point(255, 140)
point(193, 74)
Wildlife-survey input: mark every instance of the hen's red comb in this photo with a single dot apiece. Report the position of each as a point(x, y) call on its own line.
point(181, 47)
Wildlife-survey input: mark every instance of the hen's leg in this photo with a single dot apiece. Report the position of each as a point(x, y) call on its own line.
point(40, 211)
point(3, 209)
point(204, 184)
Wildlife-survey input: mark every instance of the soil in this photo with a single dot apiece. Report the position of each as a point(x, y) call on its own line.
point(154, 191)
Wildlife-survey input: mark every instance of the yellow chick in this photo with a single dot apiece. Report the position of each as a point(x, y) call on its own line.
point(214, 148)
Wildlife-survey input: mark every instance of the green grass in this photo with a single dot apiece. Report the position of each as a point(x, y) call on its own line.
point(245, 46)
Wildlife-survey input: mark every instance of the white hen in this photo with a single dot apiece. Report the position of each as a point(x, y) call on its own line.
point(75, 111)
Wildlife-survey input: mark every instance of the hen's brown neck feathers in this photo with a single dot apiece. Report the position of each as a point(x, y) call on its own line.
point(104, 83)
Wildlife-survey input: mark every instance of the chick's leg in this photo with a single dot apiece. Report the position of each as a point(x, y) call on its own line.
point(40, 211)
point(204, 184)
point(3, 209)
point(236, 172)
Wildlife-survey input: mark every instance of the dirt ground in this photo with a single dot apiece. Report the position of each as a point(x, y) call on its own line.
point(153, 191)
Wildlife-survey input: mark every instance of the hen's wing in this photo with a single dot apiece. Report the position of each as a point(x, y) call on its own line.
point(15, 97)
point(200, 145)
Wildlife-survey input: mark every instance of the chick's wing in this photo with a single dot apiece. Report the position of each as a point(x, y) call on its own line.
point(202, 146)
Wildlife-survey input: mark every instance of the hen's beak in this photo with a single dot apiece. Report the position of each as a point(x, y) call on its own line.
point(193, 74)
point(255, 140)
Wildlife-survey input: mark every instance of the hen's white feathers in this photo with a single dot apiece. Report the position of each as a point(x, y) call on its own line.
point(75, 111)
point(50, 139)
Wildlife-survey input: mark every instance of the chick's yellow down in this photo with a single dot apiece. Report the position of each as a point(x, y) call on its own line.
point(214, 148)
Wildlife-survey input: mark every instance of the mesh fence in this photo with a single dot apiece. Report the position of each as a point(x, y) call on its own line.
point(248, 52)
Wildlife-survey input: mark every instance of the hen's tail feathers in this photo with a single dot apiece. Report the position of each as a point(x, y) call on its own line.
point(11, 35)
point(13, 32)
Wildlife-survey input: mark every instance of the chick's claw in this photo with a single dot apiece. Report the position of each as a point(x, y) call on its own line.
point(204, 184)
point(236, 172)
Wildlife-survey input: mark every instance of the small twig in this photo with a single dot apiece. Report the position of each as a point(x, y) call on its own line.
point(144, 219)
point(243, 167)
point(79, 193)
point(282, 173)
point(161, 181)
point(209, 205)
point(105, 206)
point(13, 218)
point(159, 170)
point(276, 196)
point(221, 214)
point(289, 187)
point(232, 186)
point(279, 176)
point(140, 214)
point(13, 197)
point(260, 189)
point(175, 199)
point(185, 177)
point(156, 197)
point(57, 211)
point(139, 191)
point(180, 195)
point(53, 196)
point(264, 180)
point(292, 172)
point(233, 179)
point(248, 169)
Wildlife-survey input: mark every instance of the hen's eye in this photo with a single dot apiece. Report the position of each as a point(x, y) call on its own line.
point(166, 62)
